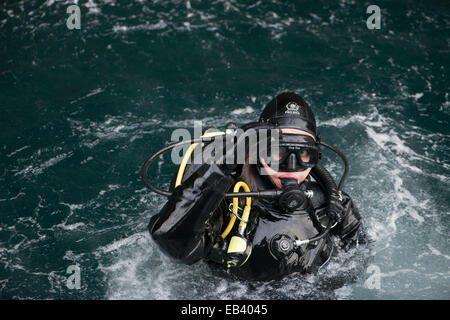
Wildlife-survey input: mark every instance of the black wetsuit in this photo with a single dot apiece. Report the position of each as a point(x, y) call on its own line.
point(189, 226)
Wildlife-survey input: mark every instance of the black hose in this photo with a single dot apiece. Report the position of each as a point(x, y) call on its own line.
point(326, 181)
point(344, 176)
point(158, 153)
point(322, 234)
point(324, 178)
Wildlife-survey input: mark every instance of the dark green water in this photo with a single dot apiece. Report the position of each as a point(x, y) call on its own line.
point(82, 109)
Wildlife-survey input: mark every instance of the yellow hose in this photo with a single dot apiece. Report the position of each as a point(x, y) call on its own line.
point(246, 213)
point(186, 157)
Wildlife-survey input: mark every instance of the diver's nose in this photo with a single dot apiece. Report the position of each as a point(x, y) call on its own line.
point(292, 161)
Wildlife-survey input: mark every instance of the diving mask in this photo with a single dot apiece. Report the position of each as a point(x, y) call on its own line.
point(291, 153)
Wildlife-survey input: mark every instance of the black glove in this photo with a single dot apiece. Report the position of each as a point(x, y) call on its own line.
point(230, 152)
point(335, 208)
point(225, 145)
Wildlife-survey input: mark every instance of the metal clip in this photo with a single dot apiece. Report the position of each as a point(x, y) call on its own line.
point(235, 213)
point(309, 194)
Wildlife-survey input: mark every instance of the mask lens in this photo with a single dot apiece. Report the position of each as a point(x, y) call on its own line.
point(296, 158)
point(305, 154)
point(308, 156)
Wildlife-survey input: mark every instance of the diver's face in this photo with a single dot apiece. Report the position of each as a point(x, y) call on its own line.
point(299, 176)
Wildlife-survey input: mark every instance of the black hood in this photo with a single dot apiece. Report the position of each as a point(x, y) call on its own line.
point(289, 110)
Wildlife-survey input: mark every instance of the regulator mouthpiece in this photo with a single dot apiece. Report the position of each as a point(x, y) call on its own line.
point(292, 197)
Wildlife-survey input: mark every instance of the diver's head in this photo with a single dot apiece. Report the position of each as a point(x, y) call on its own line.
point(296, 151)
point(289, 110)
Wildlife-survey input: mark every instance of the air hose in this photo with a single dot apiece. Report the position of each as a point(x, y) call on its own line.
point(189, 151)
point(152, 158)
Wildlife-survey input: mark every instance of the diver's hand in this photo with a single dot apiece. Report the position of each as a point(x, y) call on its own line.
point(335, 208)
point(229, 161)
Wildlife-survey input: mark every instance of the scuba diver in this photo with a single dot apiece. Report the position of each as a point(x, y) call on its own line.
point(289, 217)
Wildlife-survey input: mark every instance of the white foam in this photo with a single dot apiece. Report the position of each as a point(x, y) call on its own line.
point(437, 252)
point(89, 94)
point(123, 242)
point(36, 170)
point(389, 139)
point(247, 109)
point(380, 130)
point(344, 293)
point(93, 133)
point(342, 122)
point(71, 226)
point(397, 272)
point(17, 151)
point(70, 255)
point(157, 26)
point(403, 196)
point(93, 8)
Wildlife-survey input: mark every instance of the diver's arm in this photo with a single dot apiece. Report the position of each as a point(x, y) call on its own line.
point(350, 224)
point(347, 228)
point(179, 228)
